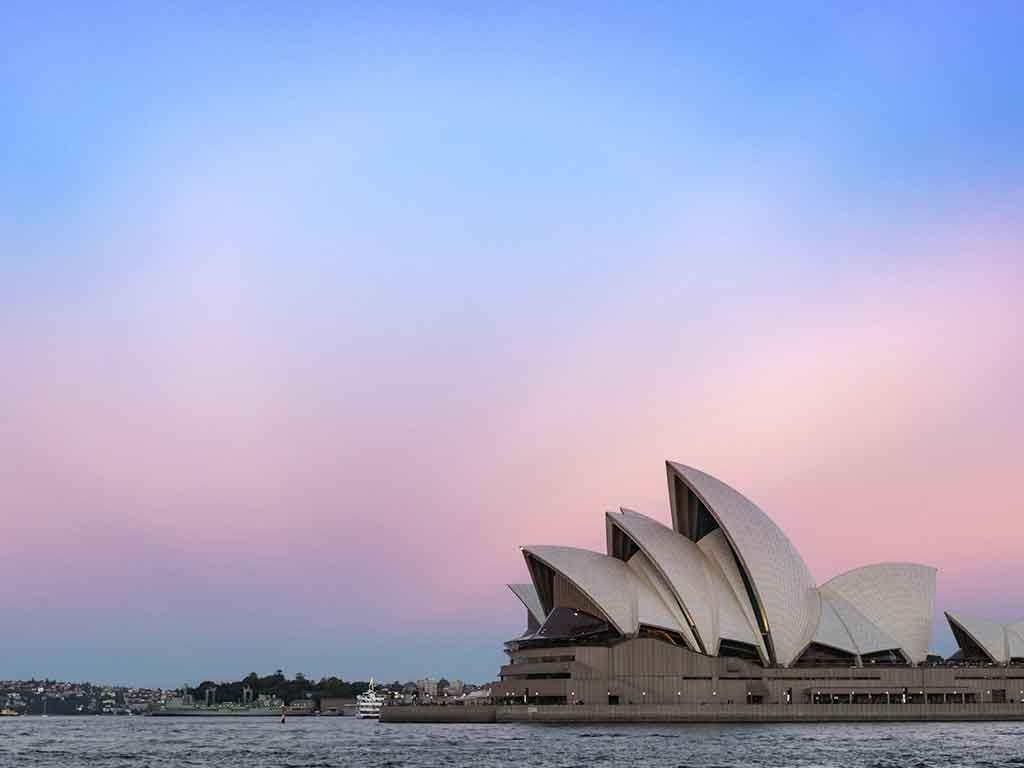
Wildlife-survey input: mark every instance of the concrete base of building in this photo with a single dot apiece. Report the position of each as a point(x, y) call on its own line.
point(765, 713)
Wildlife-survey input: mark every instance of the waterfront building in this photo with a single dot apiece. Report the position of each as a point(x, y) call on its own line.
point(301, 707)
point(427, 688)
point(479, 696)
point(719, 610)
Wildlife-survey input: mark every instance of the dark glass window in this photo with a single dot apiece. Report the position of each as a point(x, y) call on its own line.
point(694, 518)
point(568, 623)
point(543, 578)
point(539, 676)
point(892, 656)
point(738, 650)
point(623, 547)
point(665, 635)
point(818, 655)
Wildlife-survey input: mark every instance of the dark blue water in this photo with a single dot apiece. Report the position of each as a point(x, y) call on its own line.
point(155, 742)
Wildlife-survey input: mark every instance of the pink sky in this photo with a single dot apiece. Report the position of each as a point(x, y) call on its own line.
point(160, 477)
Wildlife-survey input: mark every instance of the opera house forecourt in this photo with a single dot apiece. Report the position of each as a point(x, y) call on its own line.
point(717, 618)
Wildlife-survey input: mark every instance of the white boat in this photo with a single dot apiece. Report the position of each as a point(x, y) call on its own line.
point(368, 704)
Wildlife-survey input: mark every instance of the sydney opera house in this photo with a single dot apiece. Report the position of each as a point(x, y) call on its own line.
point(718, 616)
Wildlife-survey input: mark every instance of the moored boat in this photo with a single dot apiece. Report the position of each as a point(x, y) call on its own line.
point(368, 704)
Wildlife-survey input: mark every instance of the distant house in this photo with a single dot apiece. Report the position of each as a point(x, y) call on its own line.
point(427, 688)
point(479, 696)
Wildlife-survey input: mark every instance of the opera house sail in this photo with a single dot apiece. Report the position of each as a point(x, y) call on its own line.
point(717, 615)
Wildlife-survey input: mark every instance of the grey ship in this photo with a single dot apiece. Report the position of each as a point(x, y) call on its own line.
point(251, 706)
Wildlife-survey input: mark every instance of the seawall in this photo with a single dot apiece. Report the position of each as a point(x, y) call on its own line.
point(740, 713)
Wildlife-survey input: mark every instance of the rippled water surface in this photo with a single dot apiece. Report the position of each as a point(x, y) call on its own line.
point(254, 743)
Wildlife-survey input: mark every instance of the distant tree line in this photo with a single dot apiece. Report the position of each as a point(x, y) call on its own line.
point(287, 690)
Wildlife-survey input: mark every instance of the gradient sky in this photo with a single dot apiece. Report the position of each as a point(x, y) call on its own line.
point(309, 316)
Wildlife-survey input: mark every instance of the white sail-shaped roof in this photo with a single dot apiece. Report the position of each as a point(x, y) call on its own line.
point(779, 578)
point(898, 598)
point(730, 621)
point(625, 598)
point(528, 596)
point(832, 631)
point(866, 636)
point(725, 571)
point(845, 628)
point(602, 579)
point(1001, 643)
point(681, 565)
point(736, 619)
point(653, 606)
point(989, 635)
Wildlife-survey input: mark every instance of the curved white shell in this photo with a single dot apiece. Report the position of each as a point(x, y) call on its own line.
point(680, 564)
point(780, 579)
point(625, 598)
point(898, 598)
point(988, 634)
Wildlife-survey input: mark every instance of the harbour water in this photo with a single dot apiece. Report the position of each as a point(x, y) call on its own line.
point(99, 742)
